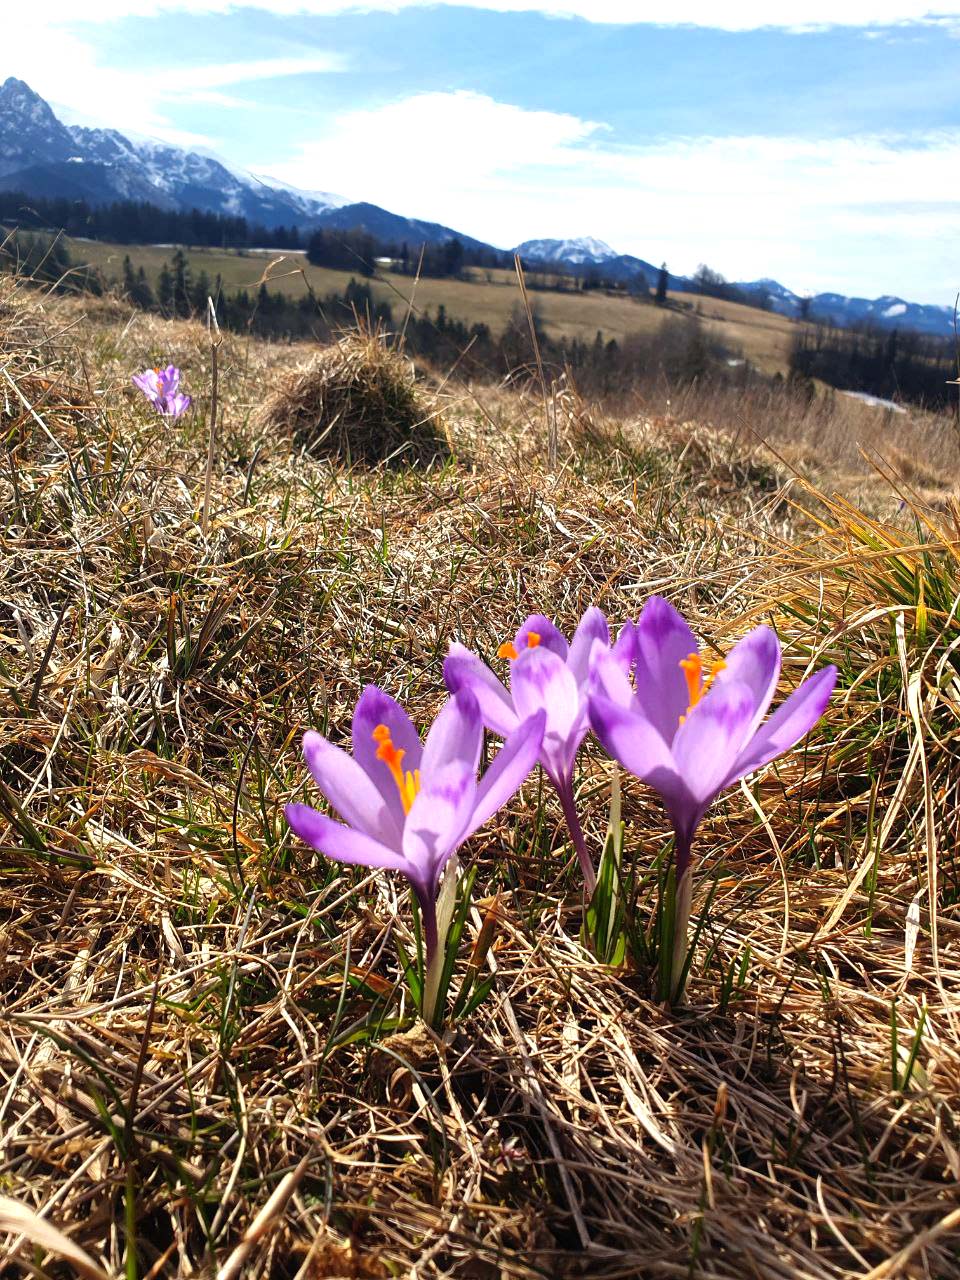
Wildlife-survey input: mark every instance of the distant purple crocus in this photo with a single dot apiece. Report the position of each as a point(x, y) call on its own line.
point(162, 389)
point(691, 733)
point(408, 807)
point(546, 674)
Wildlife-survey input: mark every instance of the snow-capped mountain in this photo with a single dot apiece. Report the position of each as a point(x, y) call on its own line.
point(584, 256)
point(776, 295)
point(886, 313)
point(581, 255)
point(585, 251)
point(44, 157)
point(836, 309)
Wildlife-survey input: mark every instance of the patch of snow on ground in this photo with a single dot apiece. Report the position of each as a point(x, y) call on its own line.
point(875, 402)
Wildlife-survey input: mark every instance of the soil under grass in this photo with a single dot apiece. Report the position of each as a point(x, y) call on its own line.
point(185, 1035)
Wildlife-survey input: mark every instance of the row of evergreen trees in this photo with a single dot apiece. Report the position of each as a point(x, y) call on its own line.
point(911, 366)
point(138, 222)
point(359, 251)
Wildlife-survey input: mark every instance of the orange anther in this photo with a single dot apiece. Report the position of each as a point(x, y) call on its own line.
point(692, 667)
point(508, 650)
point(407, 784)
point(533, 639)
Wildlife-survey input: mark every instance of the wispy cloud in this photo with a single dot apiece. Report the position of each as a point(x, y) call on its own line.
point(727, 15)
point(816, 211)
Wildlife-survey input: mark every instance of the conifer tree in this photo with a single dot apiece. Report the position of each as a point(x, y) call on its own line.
point(129, 279)
point(181, 284)
point(165, 294)
point(143, 294)
point(663, 280)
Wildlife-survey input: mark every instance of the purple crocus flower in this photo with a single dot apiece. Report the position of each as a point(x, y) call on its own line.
point(162, 389)
point(546, 674)
point(690, 732)
point(408, 807)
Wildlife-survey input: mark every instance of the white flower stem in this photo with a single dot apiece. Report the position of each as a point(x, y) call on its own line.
point(436, 937)
point(681, 922)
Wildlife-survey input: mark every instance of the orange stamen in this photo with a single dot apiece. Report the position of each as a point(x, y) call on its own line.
point(692, 667)
point(508, 649)
point(408, 784)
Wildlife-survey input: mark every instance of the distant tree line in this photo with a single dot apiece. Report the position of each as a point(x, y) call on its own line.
point(712, 284)
point(360, 251)
point(908, 366)
point(137, 222)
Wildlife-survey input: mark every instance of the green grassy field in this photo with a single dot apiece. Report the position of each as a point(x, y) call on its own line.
point(489, 297)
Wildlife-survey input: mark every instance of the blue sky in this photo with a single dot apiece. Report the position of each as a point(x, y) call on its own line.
point(761, 138)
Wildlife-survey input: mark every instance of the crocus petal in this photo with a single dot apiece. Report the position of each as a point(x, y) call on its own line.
point(791, 721)
point(593, 627)
point(177, 406)
point(548, 636)
point(147, 383)
point(437, 823)
point(710, 739)
point(170, 377)
point(541, 680)
point(455, 736)
point(755, 662)
point(463, 669)
point(608, 678)
point(349, 789)
point(375, 708)
point(508, 771)
point(341, 843)
point(624, 648)
point(627, 734)
point(662, 640)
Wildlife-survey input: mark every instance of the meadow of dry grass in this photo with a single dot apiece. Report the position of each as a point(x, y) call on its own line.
point(190, 1080)
point(485, 297)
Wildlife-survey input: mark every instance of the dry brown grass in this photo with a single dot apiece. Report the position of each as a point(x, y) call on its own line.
point(176, 1022)
point(357, 401)
point(833, 438)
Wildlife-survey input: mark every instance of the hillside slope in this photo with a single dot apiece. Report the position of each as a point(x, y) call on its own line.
point(488, 297)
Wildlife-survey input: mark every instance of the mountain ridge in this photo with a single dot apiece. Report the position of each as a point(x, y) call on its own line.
point(43, 156)
point(886, 312)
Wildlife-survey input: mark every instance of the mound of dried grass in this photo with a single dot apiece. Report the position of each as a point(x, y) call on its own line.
point(358, 402)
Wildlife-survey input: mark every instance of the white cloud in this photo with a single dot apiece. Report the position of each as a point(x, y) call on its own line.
point(820, 213)
point(451, 140)
point(728, 15)
point(64, 69)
